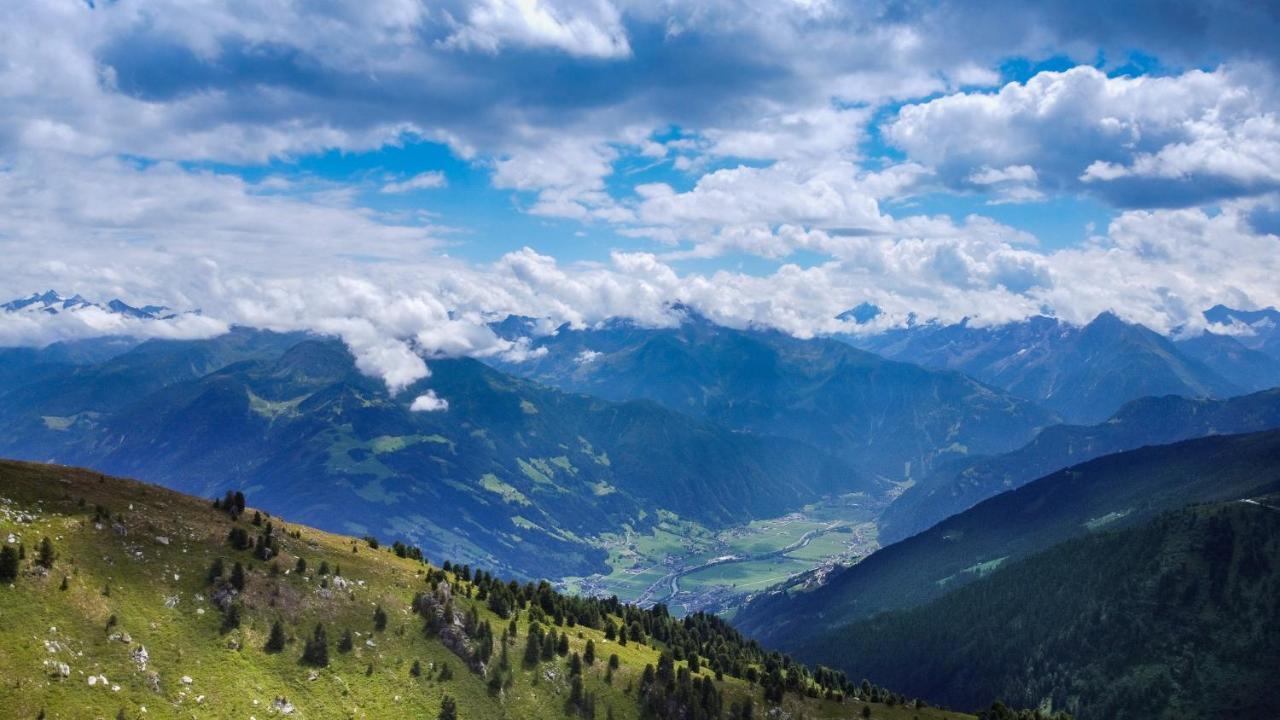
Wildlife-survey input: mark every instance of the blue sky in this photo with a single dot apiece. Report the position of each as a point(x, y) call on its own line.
point(399, 172)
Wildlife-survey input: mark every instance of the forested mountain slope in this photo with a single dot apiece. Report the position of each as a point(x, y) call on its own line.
point(1178, 617)
point(1148, 421)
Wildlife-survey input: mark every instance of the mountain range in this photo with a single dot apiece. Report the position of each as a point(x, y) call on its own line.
point(891, 419)
point(1083, 373)
point(514, 474)
point(51, 302)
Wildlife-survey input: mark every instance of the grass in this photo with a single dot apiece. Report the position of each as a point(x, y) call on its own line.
point(130, 574)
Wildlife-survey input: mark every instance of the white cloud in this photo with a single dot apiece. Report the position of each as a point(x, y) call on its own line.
point(430, 180)
point(429, 402)
point(1012, 173)
point(590, 28)
point(1185, 139)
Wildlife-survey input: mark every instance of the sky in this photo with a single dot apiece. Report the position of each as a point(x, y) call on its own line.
point(399, 173)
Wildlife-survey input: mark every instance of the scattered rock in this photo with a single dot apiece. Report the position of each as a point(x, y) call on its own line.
point(140, 657)
point(171, 601)
point(186, 680)
point(282, 706)
point(224, 596)
point(57, 669)
point(153, 681)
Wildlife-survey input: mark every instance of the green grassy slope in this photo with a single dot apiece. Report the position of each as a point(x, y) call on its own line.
point(1175, 618)
point(146, 565)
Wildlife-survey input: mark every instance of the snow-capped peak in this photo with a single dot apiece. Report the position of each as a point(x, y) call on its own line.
point(52, 302)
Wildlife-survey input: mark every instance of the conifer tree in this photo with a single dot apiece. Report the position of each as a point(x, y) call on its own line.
point(8, 564)
point(316, 652)
point(275, 643)
point(379, 618)
point(448, 709)
point(237, 577)
point(45, 558)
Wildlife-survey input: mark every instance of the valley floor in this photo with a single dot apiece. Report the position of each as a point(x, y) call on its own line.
point(691, 568)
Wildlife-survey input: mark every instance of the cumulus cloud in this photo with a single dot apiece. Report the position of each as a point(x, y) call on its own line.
point(1180, 140)
point(590, 28)
point(40, 329)
point(429, 402)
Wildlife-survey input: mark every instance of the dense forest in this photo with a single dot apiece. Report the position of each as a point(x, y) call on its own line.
point(1174, 618)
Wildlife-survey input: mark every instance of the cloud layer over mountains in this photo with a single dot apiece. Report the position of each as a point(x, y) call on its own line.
point(765, 163)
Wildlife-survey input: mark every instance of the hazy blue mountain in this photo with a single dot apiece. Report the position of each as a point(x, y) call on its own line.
point(1148, 421)
point(890, 418)
point(1230, 358)
point(513, 474)
point(1258, 329)
point(1083, 373)
point(1178, 617)
point(1102, 494)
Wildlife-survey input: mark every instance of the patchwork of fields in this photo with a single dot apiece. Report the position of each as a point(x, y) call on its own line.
point(691, 568)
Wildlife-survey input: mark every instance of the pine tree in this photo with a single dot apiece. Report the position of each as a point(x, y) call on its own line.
point(275, 643)
point(316, 651)
point(379, 618)
point(216, 570)
point(237, 577)
point(589, 653)
point(45, 558)
point(346, 643)
point(8, 564)
point(448, 709)
point(301, 566)
point(416, 670)
point(562, 646)
point(533, 645)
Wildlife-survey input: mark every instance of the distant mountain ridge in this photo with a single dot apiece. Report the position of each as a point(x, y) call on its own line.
point(893, 419)
point(1084, 373)
point(52, 303)
point(1147, 421)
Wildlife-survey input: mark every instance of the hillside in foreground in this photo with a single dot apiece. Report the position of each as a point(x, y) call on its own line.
point(1176, 618)
point(142, 605)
